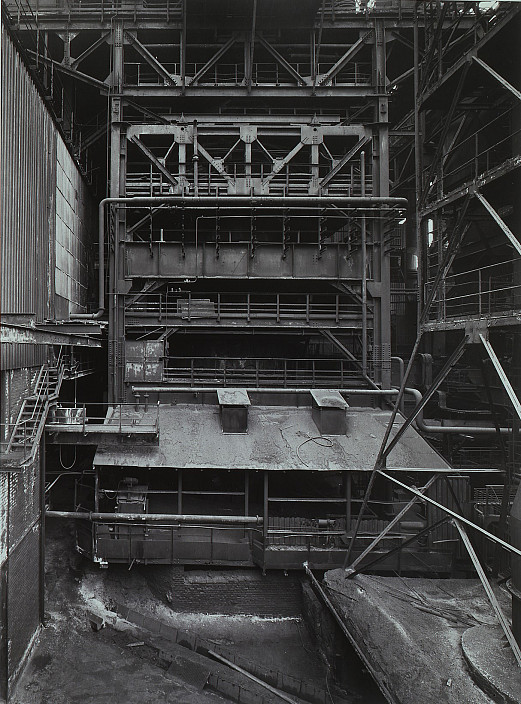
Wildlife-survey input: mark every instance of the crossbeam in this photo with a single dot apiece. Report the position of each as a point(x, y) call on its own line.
point(343, 161)
point(345, 59)
point(490, 592)
point(150, 59)
point(214, 59)
point(450, 512)
point(501, 373)
point(389, 527)
point(499, 220)
point(498, 77)
point(281, 60)
point(152, 157)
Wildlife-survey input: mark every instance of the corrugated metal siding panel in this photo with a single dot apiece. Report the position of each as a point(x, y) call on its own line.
point(32, 206)
point(28, 152)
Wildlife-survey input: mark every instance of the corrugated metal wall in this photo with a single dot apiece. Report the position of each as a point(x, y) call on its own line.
point(45, 211)
point(28, 165)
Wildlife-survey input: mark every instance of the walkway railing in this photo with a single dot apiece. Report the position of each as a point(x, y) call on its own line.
point(249, 307)
point(491, 289)
point(260, 372)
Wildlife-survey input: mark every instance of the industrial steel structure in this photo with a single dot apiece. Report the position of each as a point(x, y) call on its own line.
point(292, 199)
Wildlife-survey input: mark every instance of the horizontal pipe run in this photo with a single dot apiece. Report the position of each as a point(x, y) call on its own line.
point(153, 517)
point(447, 429)
point(197, 201)
point(256, 390)
point(420, 423)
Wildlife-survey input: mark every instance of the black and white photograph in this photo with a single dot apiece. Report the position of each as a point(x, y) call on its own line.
point(260, 369)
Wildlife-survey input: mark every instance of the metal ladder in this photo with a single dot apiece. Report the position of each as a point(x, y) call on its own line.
point(30, 422)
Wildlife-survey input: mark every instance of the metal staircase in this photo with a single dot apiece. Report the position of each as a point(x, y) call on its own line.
point(28, 428)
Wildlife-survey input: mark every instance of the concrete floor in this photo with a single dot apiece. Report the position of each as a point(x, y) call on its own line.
point(73, 664)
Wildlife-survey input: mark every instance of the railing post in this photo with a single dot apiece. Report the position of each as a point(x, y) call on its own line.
point(84, 414)
point(337, 308)
point(120, 417)
point(218, 307)
point(248, 308)
point(278, 307)
point(307, 307)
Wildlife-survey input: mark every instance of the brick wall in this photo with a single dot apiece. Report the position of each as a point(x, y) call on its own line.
point(227, 591)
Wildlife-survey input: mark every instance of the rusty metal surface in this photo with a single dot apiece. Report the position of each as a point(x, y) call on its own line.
point(233, 397)
point(328, 398)
point(23, 335)
point(190, 437)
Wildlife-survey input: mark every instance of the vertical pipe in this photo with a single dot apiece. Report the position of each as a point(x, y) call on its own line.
point(195, 159)
point(364, 271)
point(348, 491)
point(246, 492)
point(179, 491)
point(417, 167)
point(182, 46)
point(265, 513)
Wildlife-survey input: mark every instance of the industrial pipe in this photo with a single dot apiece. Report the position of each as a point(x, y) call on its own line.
point(197, 201)
point(421, 424)
point(256, 390)
point(447, 429)
point(153, 517)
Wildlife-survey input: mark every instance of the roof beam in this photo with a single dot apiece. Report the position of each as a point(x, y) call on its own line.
point(216, 163)
point(24, 335)
point(152, 157)
point(343, 161)
point(150, 59)
point(498, 77)
point(344, 60)
point(281, 163)
point(282, 61)
point(215, 58)
point(99, 42)
point(70, 71)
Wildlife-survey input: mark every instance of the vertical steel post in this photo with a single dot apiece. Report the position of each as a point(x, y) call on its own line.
point(364, 269)
point(117, 189)
point(265, 520)
point(382, 264)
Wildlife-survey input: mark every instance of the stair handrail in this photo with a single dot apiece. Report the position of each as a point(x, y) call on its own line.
point(18, 422)
point(42, 397)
